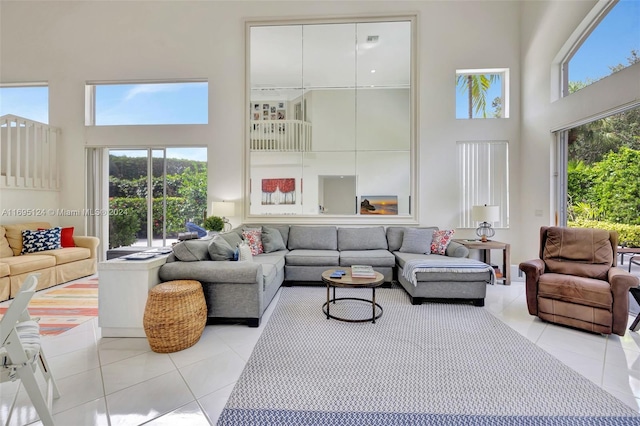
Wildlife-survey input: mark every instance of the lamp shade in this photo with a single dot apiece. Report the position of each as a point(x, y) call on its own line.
point(223, 208)
point(489, 214)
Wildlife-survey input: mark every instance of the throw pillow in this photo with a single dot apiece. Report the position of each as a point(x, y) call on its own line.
point(66, 237)
point(220, 249)
point(253, 237)
point(441, 240)
point(417, 240)
point(272, 240)
point(192, 250)
point(244, 252)
point(40, 240)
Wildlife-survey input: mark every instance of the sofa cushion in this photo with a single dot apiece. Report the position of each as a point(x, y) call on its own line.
point(5, 249)
point(233, 238)
point(69, 254)
point(272, 240)
point(417, 240)
point(575, 289)
point(440, 241)
point(303, 257)
point(395, 235)
point(29, 263)
point(14, 234)
point(367, 257)
point(192, 250)
point(455, 249)
point(313, 237)
point(369, 238)
point(582, 252)
point(4, 270)
point(220, 249)
point(40, 240)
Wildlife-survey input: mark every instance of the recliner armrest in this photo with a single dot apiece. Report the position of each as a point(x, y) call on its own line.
point(621, 281)
point(532, 270)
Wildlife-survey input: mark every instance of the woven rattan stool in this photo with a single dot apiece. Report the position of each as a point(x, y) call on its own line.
point(175, 315)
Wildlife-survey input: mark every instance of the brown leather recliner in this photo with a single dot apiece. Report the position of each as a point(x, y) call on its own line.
point(575, 281)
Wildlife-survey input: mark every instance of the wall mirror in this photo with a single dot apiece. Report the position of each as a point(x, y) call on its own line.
point(331, 119)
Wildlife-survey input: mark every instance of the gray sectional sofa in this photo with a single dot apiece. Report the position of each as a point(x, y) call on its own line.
point(298, 254)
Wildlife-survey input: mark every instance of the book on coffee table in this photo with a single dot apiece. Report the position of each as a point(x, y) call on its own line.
point(362, 271)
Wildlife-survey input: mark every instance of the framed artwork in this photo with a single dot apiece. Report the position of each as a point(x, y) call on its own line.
point(265, 106)
point(281, 114)
point(273, 109)
point(278, 191)
point(379, 204)
point(256, 107)
point(256, 116)
point(280, 105)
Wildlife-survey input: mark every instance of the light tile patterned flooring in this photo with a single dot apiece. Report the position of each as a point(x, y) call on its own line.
point(120, 381)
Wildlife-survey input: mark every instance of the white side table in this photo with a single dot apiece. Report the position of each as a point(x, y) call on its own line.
point(123, 287)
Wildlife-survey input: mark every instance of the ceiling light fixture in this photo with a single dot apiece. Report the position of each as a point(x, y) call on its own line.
point(373, 71)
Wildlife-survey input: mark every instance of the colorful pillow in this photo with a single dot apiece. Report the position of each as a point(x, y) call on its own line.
point(441, 240)
point(66, 237)
point(253, 237)
point(40, 240)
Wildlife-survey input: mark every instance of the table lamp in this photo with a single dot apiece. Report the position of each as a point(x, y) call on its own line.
point(223, 209)
point(486, 215)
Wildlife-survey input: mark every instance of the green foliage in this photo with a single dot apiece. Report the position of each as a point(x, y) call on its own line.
point(628, 235)
point(186, 195)
point(124, 224)
point(213, 223)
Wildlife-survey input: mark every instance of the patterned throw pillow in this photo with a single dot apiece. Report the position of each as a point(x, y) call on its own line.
point(36, 241)
point(253, 237)
point(441, 240)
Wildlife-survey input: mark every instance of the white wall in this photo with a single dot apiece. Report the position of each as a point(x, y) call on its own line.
point(69, 43)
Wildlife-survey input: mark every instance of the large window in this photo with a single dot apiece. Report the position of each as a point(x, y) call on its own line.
point(26, 101)
point(153, 193)
point(610, 43)
point(110, 104)
point(330, 119)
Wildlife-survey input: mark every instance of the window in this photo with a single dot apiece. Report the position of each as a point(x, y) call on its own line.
point(482, 93)
point(112, 104)
point(610, 43)
point(483, 176)
point(26, 101)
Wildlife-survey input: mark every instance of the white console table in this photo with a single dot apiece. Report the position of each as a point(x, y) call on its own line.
point(123, 287)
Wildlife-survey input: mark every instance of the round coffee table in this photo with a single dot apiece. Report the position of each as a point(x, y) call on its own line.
point(348, 281)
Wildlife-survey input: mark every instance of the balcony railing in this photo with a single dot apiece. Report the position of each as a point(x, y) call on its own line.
point(280, 135)
point(28, 154)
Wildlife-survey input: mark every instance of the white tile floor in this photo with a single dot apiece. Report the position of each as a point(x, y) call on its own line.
point(120, 381)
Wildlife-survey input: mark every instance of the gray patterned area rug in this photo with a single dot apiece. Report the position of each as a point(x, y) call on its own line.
point(434, 364)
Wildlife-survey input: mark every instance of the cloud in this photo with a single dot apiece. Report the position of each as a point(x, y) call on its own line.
point(151, 88)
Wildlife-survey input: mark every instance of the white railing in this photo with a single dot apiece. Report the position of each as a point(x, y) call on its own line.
point(28, 154)
point(280, 135)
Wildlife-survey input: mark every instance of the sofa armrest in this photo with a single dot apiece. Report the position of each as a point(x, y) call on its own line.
point(621, 281)
point(532, 270)
point(455, 249)
point(91, 243)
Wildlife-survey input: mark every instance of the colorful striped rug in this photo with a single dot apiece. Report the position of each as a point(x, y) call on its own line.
point(63, 307)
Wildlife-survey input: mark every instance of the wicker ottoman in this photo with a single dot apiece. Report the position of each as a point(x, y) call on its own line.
point(175, 315)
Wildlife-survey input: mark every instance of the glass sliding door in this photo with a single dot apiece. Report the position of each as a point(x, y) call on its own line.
point(153, 193)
